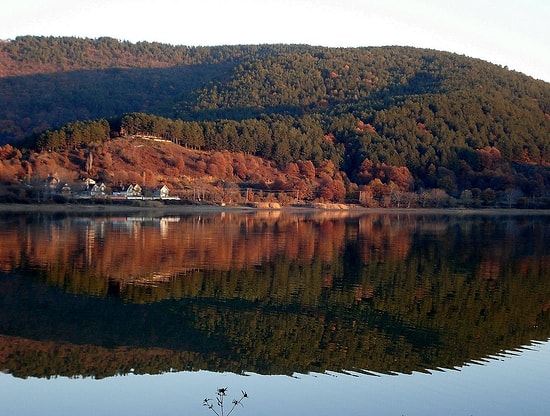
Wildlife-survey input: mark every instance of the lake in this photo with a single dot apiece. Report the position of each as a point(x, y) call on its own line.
point(309, 312)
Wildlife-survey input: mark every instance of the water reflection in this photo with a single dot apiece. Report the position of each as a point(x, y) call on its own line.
point(270, 293)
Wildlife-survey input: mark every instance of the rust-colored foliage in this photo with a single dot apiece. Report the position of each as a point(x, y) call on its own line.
point(151, 164)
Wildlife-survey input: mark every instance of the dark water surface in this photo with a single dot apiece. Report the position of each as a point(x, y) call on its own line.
point(311, 313)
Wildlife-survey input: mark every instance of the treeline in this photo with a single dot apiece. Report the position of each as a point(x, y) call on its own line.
point(77, 134)
point(281, 138)
point(63, 53)
point(284, 139)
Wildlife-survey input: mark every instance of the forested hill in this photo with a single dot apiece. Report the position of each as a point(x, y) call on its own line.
point(48, 81)
point(453, 122)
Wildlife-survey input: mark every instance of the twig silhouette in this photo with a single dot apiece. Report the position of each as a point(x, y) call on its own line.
point(219, 408)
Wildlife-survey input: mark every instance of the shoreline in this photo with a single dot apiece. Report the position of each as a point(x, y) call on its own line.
point(97, 209)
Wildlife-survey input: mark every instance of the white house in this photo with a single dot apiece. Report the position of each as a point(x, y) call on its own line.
point(131, 191)
point(162, 192)
point(98, 190)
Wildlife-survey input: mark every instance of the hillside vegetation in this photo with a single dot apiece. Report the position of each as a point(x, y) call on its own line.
point(382, 126)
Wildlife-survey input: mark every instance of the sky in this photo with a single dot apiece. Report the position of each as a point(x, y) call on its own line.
point(511, 33)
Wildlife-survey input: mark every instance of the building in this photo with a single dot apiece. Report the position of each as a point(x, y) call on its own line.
point(162, 192)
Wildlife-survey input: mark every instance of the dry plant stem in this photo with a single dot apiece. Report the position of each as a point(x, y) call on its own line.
point(220, 394)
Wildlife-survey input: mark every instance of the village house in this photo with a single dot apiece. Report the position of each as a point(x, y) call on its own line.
point(162, 192)
point(52, 182)
point(66, 189)
point(130, 191)
point(98, 190)
point(88, 183)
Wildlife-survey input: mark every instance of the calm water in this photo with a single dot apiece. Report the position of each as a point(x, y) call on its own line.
point(317, 314)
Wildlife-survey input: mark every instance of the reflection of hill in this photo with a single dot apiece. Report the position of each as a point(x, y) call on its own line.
point(86, 255)
point(379, 293)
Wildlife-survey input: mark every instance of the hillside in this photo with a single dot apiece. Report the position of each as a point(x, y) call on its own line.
point(191, 174)
point(378, 123)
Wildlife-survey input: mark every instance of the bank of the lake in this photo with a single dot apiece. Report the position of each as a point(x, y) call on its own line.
point(174, 209)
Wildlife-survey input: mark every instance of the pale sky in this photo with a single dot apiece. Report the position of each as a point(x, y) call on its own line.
point(512, 33)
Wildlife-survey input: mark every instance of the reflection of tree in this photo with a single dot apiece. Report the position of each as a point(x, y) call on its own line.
point(86, 255)
point(381, 293)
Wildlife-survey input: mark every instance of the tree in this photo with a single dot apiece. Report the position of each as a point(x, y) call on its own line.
point(307, 168)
